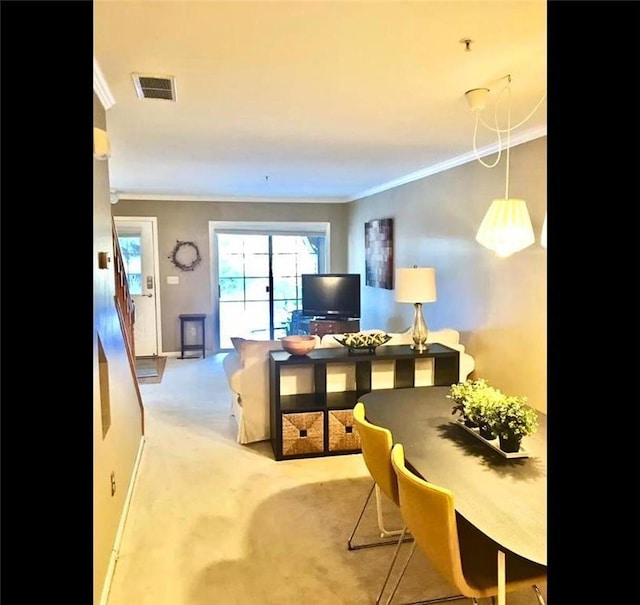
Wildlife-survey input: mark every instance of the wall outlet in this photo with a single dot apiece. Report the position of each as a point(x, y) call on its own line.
point(113, 483)
point(193, 331)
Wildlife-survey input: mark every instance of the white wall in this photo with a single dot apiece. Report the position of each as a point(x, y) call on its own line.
point(115, 452)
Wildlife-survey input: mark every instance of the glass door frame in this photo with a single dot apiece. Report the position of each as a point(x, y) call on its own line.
point(125, 225)
point(256, 228)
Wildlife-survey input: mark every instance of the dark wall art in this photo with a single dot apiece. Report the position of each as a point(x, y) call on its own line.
point(378, 242)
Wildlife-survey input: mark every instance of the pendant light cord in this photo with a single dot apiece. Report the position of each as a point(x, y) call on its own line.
point(475, 149)
point(506, 188)
point(498, 130)
point(523, 121)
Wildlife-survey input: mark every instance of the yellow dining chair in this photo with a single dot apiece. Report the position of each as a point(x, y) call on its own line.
point(462, 554)
point(376, 442)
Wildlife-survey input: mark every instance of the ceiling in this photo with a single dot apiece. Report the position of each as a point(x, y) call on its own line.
point(310, 101)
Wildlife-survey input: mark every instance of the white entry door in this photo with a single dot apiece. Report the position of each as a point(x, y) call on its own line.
point(137, 237)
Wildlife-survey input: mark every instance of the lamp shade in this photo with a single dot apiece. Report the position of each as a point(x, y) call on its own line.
point(416, 285)
point(506, 228)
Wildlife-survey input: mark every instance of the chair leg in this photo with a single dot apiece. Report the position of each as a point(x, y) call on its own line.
point(352, 546)
point(355, 527)
point(456, 597)
point(538, 595)
point(393, 562)
point(404, 568)
point(384, 533)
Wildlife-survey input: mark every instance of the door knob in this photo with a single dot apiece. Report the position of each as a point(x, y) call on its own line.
point(149, 295)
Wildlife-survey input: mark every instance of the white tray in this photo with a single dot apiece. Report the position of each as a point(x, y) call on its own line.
point(493, 443)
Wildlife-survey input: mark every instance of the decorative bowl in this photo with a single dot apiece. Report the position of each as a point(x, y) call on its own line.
point(359, 341)
point(298, 345)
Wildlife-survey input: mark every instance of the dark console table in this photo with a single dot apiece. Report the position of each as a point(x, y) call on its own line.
point(320, 423)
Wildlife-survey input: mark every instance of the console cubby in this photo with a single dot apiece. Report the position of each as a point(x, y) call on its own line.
point(323, 418)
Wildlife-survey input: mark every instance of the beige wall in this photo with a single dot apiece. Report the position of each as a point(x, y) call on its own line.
point(189, 221)
point(498, 304)
point(117, 451)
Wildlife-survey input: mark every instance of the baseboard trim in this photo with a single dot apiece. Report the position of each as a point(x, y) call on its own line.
point(106, 589)
point(179, 353)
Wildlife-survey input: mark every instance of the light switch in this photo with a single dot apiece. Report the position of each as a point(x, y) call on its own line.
point(173, 279)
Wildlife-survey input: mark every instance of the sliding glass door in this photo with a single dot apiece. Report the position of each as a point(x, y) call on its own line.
point(259, 283)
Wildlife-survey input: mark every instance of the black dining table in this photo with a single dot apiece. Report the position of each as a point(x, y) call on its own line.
point(505, 498)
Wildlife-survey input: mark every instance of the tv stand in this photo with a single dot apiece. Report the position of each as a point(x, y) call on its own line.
point(321, 326)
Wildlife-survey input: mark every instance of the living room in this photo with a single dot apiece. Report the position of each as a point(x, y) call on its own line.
point(497, 304)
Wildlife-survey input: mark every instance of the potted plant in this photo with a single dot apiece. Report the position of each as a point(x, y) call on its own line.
point(479, 408)
point(462, 394)
point(511, 419)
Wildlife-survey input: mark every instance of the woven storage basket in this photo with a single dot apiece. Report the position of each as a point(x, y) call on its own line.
point(343, 435)
point(302, 433)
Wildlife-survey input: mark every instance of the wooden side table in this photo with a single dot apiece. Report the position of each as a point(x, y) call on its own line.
point(184, 320)
point(320, 327)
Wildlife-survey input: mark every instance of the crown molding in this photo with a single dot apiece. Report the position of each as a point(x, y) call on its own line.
point(163, 197)
point(101, 88)
point(516, 139)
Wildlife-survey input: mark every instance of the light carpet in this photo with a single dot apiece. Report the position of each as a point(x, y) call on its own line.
point(215, 522)
point(149, 370)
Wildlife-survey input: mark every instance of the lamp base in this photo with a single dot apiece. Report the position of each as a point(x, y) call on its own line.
point(420, 348)
point(419, 330)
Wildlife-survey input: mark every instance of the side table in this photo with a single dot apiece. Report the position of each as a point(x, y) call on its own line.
point(184, 320)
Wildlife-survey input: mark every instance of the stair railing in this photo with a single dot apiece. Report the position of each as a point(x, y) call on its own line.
point(126, 311)
point(124, 301)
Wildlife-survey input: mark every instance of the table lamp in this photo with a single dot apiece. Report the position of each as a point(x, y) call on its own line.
point(417, 285)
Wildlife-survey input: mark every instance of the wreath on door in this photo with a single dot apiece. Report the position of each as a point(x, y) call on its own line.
point(185, 256)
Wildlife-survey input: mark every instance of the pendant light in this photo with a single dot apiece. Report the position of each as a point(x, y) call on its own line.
point(506, 227)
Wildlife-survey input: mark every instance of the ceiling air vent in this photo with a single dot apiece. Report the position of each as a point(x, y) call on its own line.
point(155, 87)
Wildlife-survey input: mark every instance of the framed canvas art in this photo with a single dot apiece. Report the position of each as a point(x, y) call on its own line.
point(378, 242)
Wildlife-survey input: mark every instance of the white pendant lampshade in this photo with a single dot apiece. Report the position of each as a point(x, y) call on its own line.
point(506, 227)
point(543, 233)
point(417, 285)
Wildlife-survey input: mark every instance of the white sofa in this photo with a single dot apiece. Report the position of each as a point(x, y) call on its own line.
point(247, 370)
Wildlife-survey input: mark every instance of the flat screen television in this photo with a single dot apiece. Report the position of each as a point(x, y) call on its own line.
point(331, 295)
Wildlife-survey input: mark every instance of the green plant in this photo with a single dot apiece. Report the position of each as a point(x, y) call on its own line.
point(510, 416)
point(466, 397)
point(480, 403)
